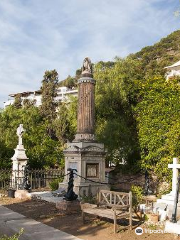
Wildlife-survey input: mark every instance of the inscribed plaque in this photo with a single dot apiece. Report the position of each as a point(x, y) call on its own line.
point(92, 170)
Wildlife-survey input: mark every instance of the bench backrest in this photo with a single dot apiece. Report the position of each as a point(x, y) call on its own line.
point(113, 199)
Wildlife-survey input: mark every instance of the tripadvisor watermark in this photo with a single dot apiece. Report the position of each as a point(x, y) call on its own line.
point(140, 231)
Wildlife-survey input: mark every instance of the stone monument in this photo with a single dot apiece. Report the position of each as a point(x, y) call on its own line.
point(85, 154)
point(167, 200)
point(19, 160)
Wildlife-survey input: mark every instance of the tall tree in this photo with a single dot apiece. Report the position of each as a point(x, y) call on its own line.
point(115, 94)
point(17, 101)
point(49, 103)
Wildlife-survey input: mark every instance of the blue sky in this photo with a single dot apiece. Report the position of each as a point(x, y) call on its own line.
point(40, 35)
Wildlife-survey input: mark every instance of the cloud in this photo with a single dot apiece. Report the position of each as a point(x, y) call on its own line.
point(44, 34)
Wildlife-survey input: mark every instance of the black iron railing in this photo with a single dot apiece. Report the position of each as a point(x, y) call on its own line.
point(38, 178)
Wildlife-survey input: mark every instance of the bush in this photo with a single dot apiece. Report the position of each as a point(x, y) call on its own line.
point(137, 195)
point(54, 184)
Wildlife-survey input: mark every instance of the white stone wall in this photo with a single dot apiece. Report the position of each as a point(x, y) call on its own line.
point(63, 95)
point(172, 72)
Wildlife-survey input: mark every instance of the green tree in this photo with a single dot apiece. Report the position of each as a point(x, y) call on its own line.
point(157, 117)
point(41, 149)
point(17, 101)
point(49, 103)
point(116, 126)
point(69, 82)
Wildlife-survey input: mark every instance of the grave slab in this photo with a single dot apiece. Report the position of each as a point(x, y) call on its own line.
point(172, 227)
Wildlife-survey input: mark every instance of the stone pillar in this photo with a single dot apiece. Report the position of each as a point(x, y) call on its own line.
point(86, 104)
point(86, 109)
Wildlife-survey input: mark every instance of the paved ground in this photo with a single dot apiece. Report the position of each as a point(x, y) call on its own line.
point(47, 196)
point(11, 222)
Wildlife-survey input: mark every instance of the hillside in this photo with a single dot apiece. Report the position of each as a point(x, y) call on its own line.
point(160, 55)
point(154, 58)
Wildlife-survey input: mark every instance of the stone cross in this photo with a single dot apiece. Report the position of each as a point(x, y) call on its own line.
point(175, 166)
point(20, 131)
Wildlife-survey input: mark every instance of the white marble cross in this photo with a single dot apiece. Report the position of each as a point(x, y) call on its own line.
point(175, 166)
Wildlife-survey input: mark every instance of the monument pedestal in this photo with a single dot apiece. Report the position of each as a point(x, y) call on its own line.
point(167, 201)
point(68, 207)
point(88, 158)
point(19, 162)
point(22, 194)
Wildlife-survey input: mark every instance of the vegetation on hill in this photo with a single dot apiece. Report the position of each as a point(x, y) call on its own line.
point(137, 113)
point(164, 53)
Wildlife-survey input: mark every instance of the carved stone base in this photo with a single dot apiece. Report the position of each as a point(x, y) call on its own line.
point(22, 194)
point(88, 158)
point(84, 137)
point(87, 189)
point(68, 207)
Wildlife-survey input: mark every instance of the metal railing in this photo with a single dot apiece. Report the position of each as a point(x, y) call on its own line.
point(38, 178)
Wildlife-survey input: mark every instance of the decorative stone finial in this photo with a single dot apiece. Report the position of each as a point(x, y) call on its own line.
point(87, 66)
point(20, 131)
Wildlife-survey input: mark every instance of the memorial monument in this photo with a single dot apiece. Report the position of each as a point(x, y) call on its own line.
point(167, 200)
point(19, 160)
point(85, 154)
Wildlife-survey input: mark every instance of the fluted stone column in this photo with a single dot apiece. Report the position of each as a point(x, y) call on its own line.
point(85, 154)
point(86, 108)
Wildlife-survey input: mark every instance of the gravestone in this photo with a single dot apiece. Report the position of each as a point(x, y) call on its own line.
point(167, 200)
point(175, 166)
point(19, 160)
point(85, 154)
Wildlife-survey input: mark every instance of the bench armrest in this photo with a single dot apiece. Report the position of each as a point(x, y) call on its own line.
point(120, 207)
point(87, 205)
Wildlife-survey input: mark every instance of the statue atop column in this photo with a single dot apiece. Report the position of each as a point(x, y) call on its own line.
point(20, 131)
point(87, 66)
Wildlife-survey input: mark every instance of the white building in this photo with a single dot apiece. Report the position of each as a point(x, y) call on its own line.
point(173, 70)
point(63, 94)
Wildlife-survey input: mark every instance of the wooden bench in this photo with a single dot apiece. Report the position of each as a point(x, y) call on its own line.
point(110, 205)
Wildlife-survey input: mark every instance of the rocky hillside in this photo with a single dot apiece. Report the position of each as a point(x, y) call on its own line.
point(161, 54)
point(154, 58)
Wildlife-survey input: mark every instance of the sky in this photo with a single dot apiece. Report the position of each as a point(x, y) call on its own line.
point(40, 35)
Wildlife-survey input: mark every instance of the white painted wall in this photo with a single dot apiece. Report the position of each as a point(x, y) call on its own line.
point(63, 95)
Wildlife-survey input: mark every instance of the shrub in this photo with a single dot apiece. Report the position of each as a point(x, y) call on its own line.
point(54, 184)
point(137, 196)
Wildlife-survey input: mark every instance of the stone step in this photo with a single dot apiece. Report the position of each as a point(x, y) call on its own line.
point(158, 206)
point(168, 197)
point(172, 227)
point(167, 202)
